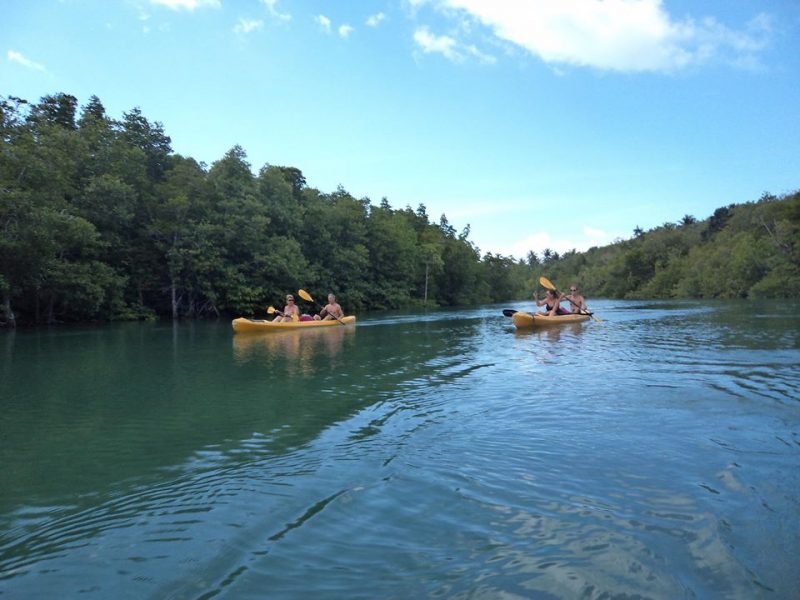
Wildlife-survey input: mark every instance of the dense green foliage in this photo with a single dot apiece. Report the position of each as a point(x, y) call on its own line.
point(741, 251)
point(101, 220)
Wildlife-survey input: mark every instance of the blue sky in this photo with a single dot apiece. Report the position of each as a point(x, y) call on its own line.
point(541, 123)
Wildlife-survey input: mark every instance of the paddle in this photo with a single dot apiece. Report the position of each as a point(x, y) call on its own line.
point(546, 283)
point(272, 309)
point(507, 312)
point(307, 297)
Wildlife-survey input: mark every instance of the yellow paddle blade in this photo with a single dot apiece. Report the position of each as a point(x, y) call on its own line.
point(295, 317)
point(305, 295)
point(546, 283)
point(270, 310)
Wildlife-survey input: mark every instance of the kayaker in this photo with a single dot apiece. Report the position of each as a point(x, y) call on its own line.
point(290, 312)
point(551, 303)
point(331, 310)
point(576, 300)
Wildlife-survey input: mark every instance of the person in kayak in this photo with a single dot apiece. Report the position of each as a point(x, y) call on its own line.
point(331, 310)
point(290, 311)
point(551, 303)
point(576, 300)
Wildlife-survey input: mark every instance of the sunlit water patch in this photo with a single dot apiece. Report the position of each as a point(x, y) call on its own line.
point(654, 454)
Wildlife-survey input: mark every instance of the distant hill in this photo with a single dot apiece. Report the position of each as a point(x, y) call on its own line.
point(747, 250)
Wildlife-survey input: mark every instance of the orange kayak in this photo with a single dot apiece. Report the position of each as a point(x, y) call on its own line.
point(523, 319)
point(242, 325)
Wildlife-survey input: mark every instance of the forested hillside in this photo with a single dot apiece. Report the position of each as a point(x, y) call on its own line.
point(101, 220)
point(741, 251)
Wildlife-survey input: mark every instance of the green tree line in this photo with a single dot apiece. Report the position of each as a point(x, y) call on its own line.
point(101, 220)
point(748, 250)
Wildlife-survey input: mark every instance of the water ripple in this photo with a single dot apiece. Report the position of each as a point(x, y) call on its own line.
point(655, 454)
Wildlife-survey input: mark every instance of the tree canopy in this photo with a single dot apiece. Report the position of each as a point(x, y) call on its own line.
point(101, 220)
point(749, 250)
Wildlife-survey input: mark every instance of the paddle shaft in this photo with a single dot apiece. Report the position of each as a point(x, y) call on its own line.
point(549, 285)
point(306, 296)
point(273, 310)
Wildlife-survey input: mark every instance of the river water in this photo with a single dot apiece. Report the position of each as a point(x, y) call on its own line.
point(655, 454)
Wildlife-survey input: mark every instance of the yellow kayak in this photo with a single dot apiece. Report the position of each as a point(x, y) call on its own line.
point(523, 319)
point(242, 325)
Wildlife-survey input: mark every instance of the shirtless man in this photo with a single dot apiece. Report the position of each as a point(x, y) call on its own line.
point(332, 310)
point(576, 300)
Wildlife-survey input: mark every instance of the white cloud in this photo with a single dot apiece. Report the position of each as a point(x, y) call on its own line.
point(245, 26)
point(324, 23)
point(520, 248)
point(345, 30)
point(375, 20)
point(272, 7)
point(449, 47)
point(618, 35)
point(187, 4)
point(441, 44)
point(482, 57)
point(596, 237)
point(20, 59)
point(540, 240)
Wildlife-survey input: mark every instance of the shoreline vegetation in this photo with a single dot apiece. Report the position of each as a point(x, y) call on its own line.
point(100, 220)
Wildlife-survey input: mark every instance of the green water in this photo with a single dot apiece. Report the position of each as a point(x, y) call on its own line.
point(443, 454)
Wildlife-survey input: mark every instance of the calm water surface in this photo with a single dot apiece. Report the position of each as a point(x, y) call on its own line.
point(653, 455)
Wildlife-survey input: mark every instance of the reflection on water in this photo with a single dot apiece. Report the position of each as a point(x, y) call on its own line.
point(300, 351)
point(444, 454)
point(553, 335)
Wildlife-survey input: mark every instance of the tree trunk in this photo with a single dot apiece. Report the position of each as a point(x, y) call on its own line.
point(192, 311)
point(11, 320)
point(174, 301)
point(51, 313)
point(425, 302)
